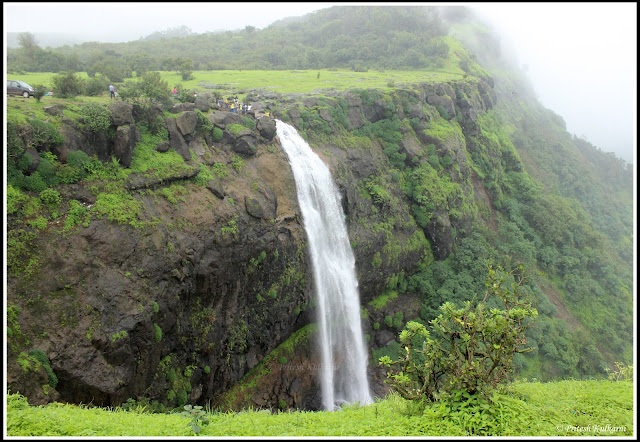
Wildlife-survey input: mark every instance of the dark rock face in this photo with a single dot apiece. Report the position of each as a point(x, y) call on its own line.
point(440, 234)
point(245, 143)
point(176, 139)
point(124, 143)
point(121, 113)
point(182, 107)
point(267, 127)
point(195, 302)
point(56, 109)
point(202, 104)
point(186, 122)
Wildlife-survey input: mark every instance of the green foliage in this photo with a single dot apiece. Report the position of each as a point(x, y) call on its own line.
point(531, 409)
point(77, 214)
point(623, 372)
point(235, 128)
point(155, 88)
point(96, 86)
point(67, 85)
point(15, 199)
point(44, 136)
point(216, 134)
point(443, 112)
point(119, 335)
point(51, 198)
point(118, 208)
point(41, 357)
point(186, 69)
point(468, 349)
point(157, 332)
point(237, 162)
point(155, 306)
point(39, 91)
point(197, 417)
point(95, 117)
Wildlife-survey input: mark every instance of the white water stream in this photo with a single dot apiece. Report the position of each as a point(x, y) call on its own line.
point(343, 372)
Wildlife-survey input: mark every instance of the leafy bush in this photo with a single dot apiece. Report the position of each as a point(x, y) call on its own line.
point(197, 416)
point(76, 214)
point(78, 159)
point(217, 134)
point(155, 88)
point(39, 91)
point(95, 117)
point(468, 349)
point(96, 86)
point(44, 135)
point(15, 199)
point(41, 357)
point(157, 332)
point(50, 198)
point(67, 85)
point(443, 112)
point(249, 123)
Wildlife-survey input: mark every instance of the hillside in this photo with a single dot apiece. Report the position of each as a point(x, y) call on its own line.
point(155, 248)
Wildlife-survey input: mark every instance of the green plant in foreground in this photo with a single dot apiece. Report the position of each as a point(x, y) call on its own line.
point(198, 417)
point(468, 349)
point(622, 373)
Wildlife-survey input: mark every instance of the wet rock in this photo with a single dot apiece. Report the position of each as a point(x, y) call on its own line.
point(267, 127)
point(121, 113)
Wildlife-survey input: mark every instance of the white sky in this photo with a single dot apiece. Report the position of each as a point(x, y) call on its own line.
point(581, 57)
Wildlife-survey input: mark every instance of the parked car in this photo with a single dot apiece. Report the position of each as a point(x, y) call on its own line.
point(16, 87)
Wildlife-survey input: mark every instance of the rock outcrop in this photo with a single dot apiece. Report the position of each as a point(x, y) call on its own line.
point(212, 276)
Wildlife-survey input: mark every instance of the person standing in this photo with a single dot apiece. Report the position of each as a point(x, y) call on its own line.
point(112, 91)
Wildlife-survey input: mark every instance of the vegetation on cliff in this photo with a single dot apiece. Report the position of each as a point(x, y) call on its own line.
point(159, 237)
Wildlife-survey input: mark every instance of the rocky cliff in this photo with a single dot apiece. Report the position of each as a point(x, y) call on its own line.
point(202, 279)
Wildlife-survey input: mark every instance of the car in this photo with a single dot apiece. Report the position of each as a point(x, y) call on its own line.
point(17, 87)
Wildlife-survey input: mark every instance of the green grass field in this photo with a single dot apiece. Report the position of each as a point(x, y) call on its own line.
point(565, 408)
point(307, 82)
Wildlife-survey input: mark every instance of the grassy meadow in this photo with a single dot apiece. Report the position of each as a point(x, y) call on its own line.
point(308, 82)
point(564, 408)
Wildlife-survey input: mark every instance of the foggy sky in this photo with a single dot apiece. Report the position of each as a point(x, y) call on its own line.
point(581, 57)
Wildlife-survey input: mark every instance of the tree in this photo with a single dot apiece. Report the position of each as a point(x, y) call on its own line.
point(468, 349)
point(67, 85)
point(39, 91)
point(27, 41)
point(186, 69)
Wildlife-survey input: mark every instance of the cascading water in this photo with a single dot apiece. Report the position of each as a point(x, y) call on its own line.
point(343, 374)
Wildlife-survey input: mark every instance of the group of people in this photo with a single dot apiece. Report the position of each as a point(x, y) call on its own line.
point(113, 91)
point(234, 105)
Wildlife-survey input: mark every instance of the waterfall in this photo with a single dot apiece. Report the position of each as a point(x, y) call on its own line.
point(343, 371)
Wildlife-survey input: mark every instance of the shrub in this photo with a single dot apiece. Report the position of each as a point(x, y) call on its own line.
point(15, 199)
point(155, 88)
point(96, 86)
point(44, 135)
point(76, 214)
point(50, 198)
point(95, 117)
point(249, 123)
point(443, 112)
point(41, 357)
point(468, 349)
point(67, 85)
point(216, 134)
point(39, 91)
point(157, 332)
